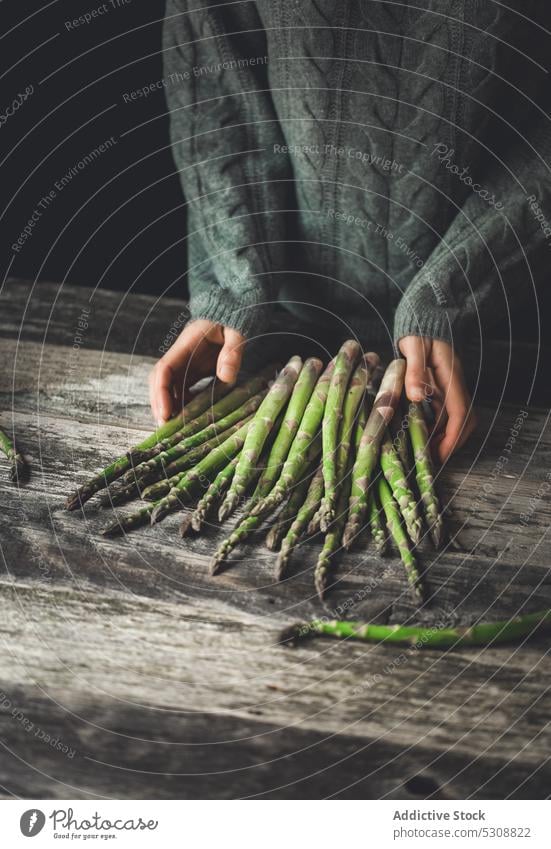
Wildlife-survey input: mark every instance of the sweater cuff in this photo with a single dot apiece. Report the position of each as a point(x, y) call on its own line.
point(416, 317)
point(247, 312)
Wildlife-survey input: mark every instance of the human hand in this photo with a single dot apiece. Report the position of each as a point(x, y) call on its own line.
point(202, 349)
point(434, 372)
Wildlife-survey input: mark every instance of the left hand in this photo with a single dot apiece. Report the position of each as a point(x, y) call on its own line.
point(434, 372)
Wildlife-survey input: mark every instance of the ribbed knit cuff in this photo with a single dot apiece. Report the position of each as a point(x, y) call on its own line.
point(247, 312)
point(419, 317)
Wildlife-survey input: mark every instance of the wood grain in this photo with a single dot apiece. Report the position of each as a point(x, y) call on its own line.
point(169, 684)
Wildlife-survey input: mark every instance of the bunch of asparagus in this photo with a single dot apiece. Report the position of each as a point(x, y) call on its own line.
point(325, 450)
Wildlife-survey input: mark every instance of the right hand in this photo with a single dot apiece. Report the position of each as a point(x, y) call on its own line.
point(201, 349)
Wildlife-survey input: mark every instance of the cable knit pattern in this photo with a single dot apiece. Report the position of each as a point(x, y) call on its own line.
point(387, 163)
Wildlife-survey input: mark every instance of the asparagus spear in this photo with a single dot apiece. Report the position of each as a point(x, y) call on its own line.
point(212, 413)
point(346, 359)
point(306, 441)
point(211, 497)
point(118, 467)
point(345, 461)
point(400, 439)
point(367, 457)
point(205, 470)
point(398, 534)
point(395, 474)
point(122, 524)
point(301, 522)
point(481, 634)
point(424, 473)
point(148, 468)
point(263, 423)
point(378, 534)
point(18, 466)
point(289, 512)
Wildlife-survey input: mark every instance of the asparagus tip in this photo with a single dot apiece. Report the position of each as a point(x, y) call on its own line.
point(348, 537)
point(19, 469)
point(157, 514)
point(281, 565)
point(216, 565)
point(226, 508)
point(292, 635)
point(187, 524)
point(73, 501)
point(113, 530)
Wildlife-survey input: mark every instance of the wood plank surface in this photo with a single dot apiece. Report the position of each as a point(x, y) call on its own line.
point(165, 683)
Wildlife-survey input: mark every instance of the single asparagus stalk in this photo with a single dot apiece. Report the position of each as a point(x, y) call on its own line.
point(306, 441)
point(301, 522)
point(147, 468)
point(205, 470)
point(395, 474)
point(345, 458)
point(384, 406)
point(122, 524)
point(181, 464)
point(424, 473)
point(376, 525)
point(398, 534)
point(481, 634)
point(346, 359)
point(211, 497)
point(288, 514)
point(18, 466)
point(400, 439)
point(220, 408)
point(118, 467)
point(263, 423)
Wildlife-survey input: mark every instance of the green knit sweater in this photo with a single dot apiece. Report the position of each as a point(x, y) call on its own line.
point(374, 163)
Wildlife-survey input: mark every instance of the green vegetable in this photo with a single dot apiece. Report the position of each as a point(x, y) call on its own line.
point(18, 466)
point(301, 522)
point(397, 479)
point(367, 458)
point(424, 473)
point(345, 362)
point(482, 634)
point(398, 534)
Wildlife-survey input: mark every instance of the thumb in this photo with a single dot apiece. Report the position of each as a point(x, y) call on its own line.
point(417, 379)
point(229, 358)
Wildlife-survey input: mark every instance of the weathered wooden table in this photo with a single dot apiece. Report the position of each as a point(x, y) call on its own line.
point(127, 672)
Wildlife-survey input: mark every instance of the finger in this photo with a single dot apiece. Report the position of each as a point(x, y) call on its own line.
point(461, 421)
point(229, 358)
point(160, 391)
point(165, 386)
point(417, 379)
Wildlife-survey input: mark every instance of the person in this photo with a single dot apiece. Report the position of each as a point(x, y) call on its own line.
point(370, 168)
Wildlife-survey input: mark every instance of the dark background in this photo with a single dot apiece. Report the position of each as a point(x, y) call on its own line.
point(120, 222)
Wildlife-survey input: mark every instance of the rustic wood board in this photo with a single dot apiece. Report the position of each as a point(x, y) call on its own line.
point(154, 681)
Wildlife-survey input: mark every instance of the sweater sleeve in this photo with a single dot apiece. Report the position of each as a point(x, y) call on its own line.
point(223, 130)
point(494, 249)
